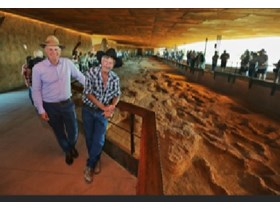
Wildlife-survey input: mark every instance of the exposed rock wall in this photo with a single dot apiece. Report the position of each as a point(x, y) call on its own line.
point(15, 32)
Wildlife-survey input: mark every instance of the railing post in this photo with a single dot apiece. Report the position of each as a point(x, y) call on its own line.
point(149, 168)
point(132, 144)
point(273, 89)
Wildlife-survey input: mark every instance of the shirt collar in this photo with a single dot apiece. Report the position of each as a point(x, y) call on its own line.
point(50, 64)
point(110, 74)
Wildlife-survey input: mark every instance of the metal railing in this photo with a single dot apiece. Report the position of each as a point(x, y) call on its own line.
point(149, 176)
point(131, 132)
point(231, 74)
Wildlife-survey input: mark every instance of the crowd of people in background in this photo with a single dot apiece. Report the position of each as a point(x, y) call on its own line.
point(85, 61)
point(252, 64)
point(194, 59)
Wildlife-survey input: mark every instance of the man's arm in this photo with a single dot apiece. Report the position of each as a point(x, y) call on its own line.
point(114, 103)
point(111, 108)
point(94, 100)
point(108, 110)
point(37, 90)
point(75, 73)
point(37, 94)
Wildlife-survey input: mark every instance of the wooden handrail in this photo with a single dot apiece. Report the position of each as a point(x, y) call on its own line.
point(149, 167)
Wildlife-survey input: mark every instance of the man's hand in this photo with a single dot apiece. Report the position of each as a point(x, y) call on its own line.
point(108, 114)
point(109, 108)
point(44, 116)
point(108, 111)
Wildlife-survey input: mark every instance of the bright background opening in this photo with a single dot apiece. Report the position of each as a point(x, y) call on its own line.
point(236, 48)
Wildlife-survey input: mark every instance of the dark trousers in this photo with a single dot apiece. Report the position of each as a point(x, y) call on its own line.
point(214, 65)
point(63, 121)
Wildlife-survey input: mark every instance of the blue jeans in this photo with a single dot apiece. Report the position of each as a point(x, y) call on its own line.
point(95, 125)
point(63, 121)
point(30, 95)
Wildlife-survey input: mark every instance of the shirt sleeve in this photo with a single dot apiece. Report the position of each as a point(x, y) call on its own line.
point(37, 90)
point(88, 84)
point(75, 73)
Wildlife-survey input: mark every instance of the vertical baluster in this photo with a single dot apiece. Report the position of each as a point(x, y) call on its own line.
point(132, 144)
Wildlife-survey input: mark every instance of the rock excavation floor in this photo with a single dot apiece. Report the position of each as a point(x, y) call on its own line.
point(209, 144)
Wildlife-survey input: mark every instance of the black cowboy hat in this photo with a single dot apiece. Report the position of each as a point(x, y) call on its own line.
point(99, 55)
point(111, 53)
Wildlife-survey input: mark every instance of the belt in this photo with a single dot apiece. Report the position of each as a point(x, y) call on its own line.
point(60, 102)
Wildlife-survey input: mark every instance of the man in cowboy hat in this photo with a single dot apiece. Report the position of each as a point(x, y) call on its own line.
point(51, 91)
point(100, 97)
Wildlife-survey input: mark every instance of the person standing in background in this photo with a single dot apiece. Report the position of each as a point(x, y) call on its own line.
point(224, 58)
point(215, 58)
point(26, 70)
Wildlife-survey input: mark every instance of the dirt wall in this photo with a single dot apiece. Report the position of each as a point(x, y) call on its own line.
point(15, 32)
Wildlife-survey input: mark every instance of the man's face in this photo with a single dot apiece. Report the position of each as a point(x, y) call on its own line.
point(107, 63)
point(53, 52)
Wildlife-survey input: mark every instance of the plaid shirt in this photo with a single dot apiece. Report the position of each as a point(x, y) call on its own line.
point(94, 86)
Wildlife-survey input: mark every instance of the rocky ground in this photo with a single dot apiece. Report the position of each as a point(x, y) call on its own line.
point(209, 144)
